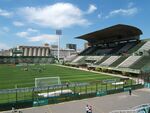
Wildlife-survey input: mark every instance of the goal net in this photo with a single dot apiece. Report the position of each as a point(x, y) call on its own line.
point(47, 81)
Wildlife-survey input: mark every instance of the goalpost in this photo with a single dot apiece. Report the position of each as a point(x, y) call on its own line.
point(47, 81)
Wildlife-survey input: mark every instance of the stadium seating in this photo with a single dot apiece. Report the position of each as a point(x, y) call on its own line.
point(118, 61)
point(145, 47)
point(115, 49)
point(138, 45)
point(89, 50)
point(115, 56)
point(80, 60)
point(77, 59)
point(129, 61)
point(102, 59)
point(70, 58)
point(110, 60)
point(126, 47)
point(140, 63)
point(84, 51)
point(102, 51)
point(92, 58)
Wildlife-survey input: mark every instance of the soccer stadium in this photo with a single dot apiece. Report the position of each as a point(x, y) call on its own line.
point(115, 61)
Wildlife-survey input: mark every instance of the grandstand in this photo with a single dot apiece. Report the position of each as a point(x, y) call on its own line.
point(117, 48)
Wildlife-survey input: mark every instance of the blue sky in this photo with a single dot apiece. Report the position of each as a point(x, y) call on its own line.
point(33, 22)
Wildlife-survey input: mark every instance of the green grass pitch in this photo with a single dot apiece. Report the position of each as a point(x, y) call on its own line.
point(11, 75)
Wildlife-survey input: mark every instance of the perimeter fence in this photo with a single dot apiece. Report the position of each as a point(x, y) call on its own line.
point(36, 96)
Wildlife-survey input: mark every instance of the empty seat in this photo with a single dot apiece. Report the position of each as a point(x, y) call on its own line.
point(77, 59)
point(146, 46)
point(92, 58)
point(129, 61)
point(110, 60)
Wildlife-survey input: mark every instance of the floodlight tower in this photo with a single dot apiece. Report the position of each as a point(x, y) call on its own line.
point(59, 33)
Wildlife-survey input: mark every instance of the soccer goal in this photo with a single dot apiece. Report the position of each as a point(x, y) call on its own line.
point(47, 81)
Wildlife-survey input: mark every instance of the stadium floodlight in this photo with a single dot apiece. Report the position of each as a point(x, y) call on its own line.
point(58, 32)
point(47, 81)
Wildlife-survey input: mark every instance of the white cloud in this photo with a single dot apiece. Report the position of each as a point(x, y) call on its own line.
point(44, 38)
point(3, 46)
point(59, 15)
point(123, 12)
point(27, 33)
point(22, 34)
point(91, 9)
point(18, 24)
point(32, 30)
point(5, 13)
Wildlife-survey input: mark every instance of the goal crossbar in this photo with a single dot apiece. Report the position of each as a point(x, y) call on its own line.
point(47, 81)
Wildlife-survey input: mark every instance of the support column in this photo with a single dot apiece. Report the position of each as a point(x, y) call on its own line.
point(43, 51)
point(30, 51)
point(34, 51)
point(25, 51)
point(47, 52)
point(39, 52)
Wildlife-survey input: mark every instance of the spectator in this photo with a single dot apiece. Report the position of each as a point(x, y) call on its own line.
point(130, 91)
point(90, 109)
point(87, 108)
point(13, 109)
point(67, 84)
point(125, 82)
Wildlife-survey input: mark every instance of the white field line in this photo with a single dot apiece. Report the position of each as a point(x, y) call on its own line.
point(83, 69)
point(115, 75)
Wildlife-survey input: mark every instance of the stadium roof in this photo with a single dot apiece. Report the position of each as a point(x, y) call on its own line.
point(114, 33)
